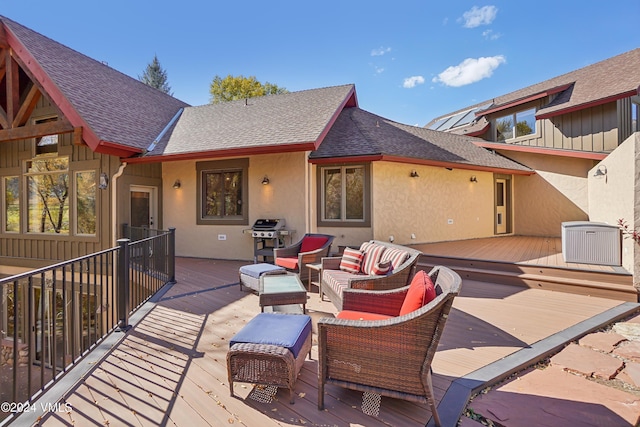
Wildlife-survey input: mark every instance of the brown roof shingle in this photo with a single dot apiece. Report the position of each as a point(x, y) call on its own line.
point(117, 108)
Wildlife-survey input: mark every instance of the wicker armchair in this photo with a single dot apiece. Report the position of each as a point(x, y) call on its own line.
point(390, 357)
point(293, 259)
point(400, 276)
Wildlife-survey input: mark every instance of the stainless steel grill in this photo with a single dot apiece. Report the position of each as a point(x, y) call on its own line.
point(267, 235)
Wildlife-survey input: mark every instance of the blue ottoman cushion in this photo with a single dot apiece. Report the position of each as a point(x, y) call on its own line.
point(284, 330)
point(255, 270)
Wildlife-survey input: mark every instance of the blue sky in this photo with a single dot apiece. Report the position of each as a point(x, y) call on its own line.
point(411, 61)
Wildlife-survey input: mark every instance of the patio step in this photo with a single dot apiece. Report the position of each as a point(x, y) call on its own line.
point(612, 284)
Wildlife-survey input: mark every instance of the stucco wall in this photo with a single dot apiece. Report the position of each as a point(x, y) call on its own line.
point(612, 196)
point(439, 205)
point(556, 193)
point(282, 198)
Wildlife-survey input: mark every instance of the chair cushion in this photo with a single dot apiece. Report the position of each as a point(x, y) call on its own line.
point(351, 260)
point(311, 243)
point(396, 256)
point(421, 292)
point(361, 315)
point(288, 263)
point(372, 254)
point(382, 268)
point(284, 330)
point(337, 280)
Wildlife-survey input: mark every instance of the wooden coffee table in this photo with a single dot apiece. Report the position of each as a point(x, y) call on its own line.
point(282, 289)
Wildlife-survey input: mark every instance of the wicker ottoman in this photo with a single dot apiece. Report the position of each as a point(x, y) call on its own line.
point(270, 350)
point(250, 274)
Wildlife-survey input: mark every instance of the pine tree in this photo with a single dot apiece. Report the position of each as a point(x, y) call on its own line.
point(156, 77)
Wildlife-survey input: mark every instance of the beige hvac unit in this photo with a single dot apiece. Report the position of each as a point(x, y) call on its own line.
point(587, 242)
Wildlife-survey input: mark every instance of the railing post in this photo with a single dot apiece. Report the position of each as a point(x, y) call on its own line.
point(171, 251)
point(123, 285)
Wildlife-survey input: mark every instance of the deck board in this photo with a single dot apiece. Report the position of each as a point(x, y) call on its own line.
point(171, 367)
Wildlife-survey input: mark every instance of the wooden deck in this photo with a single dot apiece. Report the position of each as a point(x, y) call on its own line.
point(170, 368)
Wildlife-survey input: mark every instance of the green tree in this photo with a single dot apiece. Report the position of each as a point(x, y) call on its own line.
point(240, 87)
point(155, 76)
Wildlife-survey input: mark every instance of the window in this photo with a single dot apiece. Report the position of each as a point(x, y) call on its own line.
point(12, 204)
point(223, 189)
point(86, 202)
point(343, 195)
point(635, 115)
point(47, 195)
point(516, 125)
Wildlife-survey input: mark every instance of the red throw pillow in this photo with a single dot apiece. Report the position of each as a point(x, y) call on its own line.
point(311, 243)
point(421, 292)
point(351, 260)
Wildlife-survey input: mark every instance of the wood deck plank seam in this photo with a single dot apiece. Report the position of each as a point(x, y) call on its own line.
point(455, 400)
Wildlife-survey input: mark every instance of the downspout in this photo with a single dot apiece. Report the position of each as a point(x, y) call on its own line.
point(114, 204)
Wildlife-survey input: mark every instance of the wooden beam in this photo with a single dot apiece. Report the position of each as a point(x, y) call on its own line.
point(4, 121)
point(77, 136)
point(3, 38)
point(13, 86)
point(35, 131)
point(27, 107)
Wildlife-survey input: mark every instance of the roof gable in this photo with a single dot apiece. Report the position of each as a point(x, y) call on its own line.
point(118, 114)
point(296, 121)
point(359, 135)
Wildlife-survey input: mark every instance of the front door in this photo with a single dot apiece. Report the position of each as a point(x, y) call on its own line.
point(502, 198)
point(143, 207)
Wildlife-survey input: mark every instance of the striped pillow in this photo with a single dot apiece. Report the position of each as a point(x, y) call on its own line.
point(382, 268)
point(351, 260)
point(396, 256)
point(372, 253)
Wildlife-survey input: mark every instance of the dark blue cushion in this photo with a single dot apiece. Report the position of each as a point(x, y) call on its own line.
point(284, 330)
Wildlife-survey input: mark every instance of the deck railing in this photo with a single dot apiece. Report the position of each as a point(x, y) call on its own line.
point(52, 317)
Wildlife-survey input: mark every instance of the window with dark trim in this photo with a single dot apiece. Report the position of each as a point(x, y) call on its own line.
point(223, 190)
point(343, 196)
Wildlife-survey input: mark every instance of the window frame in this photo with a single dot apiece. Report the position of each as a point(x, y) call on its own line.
point(343, 222)
point(513, 117)
point(222, 166)
point(69, 201)
point(76, 198)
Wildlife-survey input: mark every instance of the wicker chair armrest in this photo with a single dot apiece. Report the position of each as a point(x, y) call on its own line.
point(331, 263)
point(287, 252)
point(386, 302)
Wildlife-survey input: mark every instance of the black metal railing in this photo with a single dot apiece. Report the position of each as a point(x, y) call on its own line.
point(50, 318)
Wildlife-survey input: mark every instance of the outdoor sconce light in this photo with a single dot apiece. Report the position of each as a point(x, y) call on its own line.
point(414, 174)
point(104, 181)
point(473, 179)
point(265, 180)
point(177, 184)
point(601, 171)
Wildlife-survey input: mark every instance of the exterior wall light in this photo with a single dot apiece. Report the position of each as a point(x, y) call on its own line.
point(414, 174)
point(473, 179)
point(103, 181)
point(177, 184)
point(265, 180)
point(601, 171)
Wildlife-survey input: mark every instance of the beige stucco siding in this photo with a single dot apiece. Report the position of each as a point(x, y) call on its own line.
point(284, 197)
point(556, 193)
point(612, 196)
point(439, 205)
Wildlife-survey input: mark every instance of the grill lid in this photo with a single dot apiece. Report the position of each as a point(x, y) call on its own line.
point(268, 224)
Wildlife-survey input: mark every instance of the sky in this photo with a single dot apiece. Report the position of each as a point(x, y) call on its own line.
point(410, 61)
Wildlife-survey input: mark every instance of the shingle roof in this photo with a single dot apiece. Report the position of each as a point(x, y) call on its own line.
point(117, 108)
point(288, 122)
point(358, 133)
point(603, 81)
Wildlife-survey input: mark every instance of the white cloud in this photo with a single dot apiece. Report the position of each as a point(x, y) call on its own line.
point(380, 51)
point(479, 16)
point(490, 35)
point(469, 71)
point(412, 81)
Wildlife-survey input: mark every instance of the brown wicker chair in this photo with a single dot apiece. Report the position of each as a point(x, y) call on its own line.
point(398, 278)
point(389, 357)
point(292, 259)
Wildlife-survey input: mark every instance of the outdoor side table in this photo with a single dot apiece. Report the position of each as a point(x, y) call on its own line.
point(314, 269)
point(270, 350)
point(282, 289)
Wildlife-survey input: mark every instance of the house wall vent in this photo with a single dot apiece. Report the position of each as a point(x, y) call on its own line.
point(588, 242)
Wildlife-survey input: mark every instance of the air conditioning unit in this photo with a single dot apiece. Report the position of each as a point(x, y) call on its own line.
point(587, 242)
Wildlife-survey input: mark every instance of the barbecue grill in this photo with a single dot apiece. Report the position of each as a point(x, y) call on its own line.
point(267, 234)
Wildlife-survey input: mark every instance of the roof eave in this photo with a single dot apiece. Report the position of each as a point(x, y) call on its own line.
point(525, 100)
point(541, 150)
point(586, 105)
